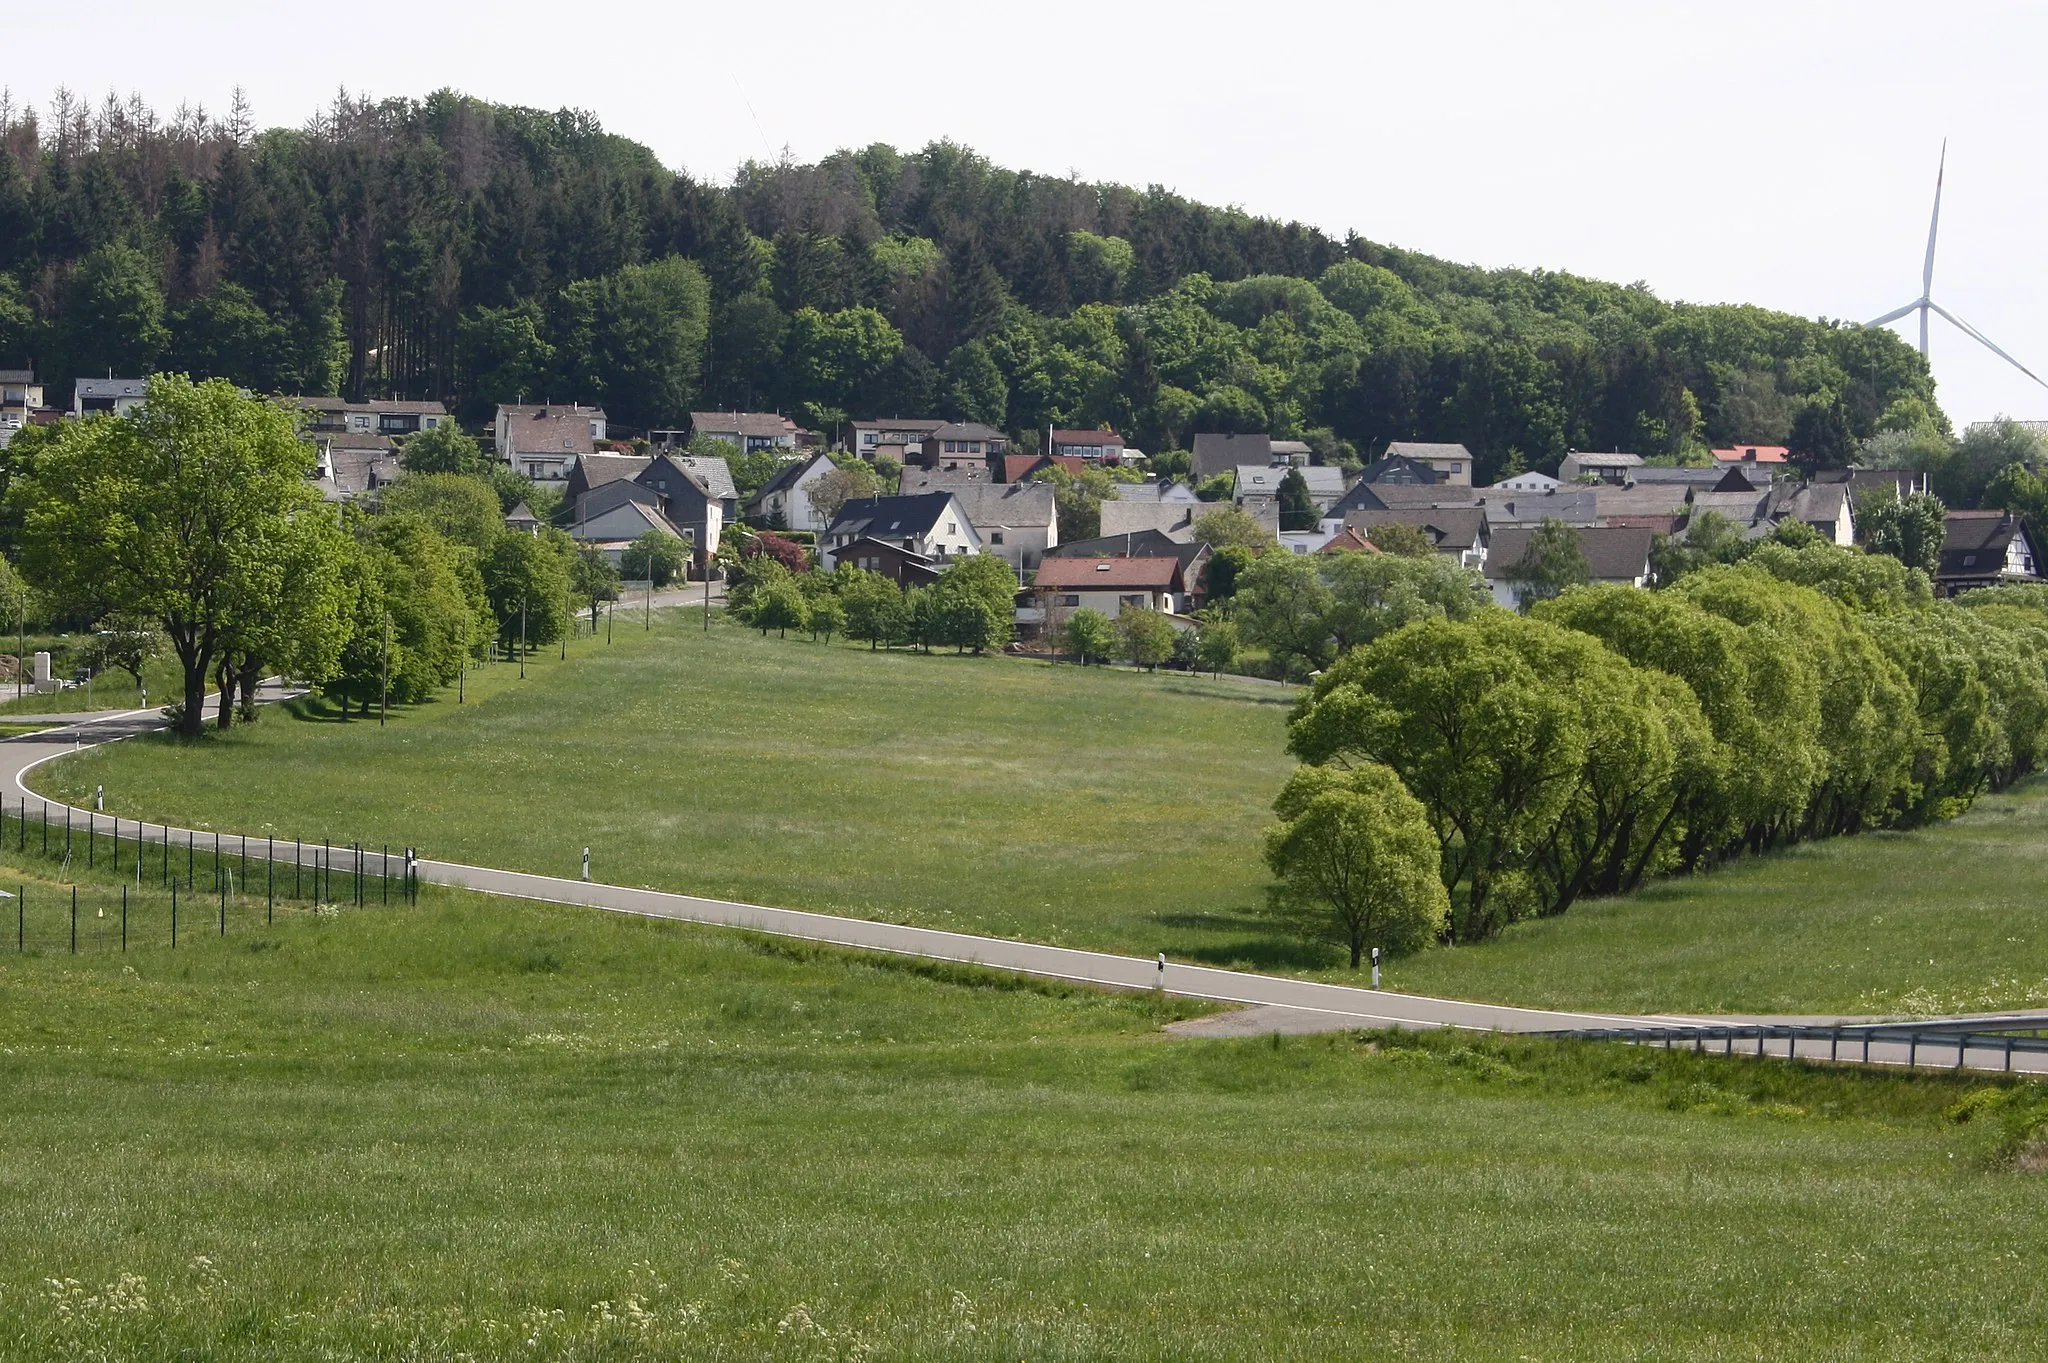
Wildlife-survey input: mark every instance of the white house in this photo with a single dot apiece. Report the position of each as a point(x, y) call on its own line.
point(785, 499)
point(932, 524)
point(1531, 481)
point(116, 397)
point(386, 418)
point(1110, 585)
point(1018, 521)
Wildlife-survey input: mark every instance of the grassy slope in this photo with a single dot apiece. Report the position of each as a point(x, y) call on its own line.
point(1939, 920)
point(459, 1128)
point(1092, 809)
point(1100, 809)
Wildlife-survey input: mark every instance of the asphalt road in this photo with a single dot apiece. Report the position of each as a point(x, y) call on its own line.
point(1270, 1003)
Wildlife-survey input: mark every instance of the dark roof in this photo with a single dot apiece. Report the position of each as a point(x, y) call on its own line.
point(1215, 452)
point(112, 388)
point(17, 376)
point(1135, 544)
point(1982, 537)
point(1400, 468)
point(1719, 478)
point(601, 499)
point(906, 425)
point(1449, 527)
point(1861, 481)
point(599, 469)
point(891, 517)
point(711, 470)
point(785, 477)
point(1614, 553)
point(1393, 496)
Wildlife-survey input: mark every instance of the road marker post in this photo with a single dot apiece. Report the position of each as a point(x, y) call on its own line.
point(1375, 967)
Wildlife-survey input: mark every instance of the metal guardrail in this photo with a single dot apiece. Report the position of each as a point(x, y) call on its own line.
point(1848, 1043)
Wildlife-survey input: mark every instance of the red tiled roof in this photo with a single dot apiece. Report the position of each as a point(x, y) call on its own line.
point(1083, 573)
point(1348, 539)
point(1753, 454)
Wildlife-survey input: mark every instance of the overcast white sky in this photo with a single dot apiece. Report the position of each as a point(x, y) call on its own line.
point(1778, 153)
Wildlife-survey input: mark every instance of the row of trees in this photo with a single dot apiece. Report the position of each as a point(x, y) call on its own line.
point(456, 249)
point(197, 514)
point(1614, 734)
point(971, 607)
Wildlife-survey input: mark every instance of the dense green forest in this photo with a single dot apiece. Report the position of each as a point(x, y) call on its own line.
point(472, 252)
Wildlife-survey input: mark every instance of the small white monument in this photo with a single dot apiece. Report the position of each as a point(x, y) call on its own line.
point(46, 684)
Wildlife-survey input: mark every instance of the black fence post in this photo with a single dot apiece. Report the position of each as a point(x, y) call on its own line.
point(74, 920)
point(124, 920)
point(270, 891)
point(326, 860)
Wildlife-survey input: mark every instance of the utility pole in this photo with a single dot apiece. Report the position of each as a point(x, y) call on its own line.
point(384, 671)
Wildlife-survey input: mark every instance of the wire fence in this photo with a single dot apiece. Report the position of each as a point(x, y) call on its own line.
point(132, 883)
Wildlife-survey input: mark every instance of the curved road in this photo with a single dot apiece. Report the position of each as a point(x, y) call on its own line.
point(1272, 1003)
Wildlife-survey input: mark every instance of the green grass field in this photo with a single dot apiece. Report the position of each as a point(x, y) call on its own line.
point(1096, 809)
point(482, 1129)
point(1948, 919)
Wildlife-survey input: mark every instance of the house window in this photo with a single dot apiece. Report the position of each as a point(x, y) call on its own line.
point(952, 528)
point(1070, 600)
point(995, 537)
point(1969, 560)
point(1136, 599)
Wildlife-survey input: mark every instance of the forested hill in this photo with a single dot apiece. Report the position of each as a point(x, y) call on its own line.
point(472, 252)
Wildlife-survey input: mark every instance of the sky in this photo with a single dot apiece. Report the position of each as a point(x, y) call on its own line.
point(1781, 153)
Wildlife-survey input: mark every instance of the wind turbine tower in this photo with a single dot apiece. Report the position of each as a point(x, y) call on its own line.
point(1925, 303)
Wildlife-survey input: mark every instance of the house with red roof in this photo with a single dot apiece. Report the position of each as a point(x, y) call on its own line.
point(1110, 585)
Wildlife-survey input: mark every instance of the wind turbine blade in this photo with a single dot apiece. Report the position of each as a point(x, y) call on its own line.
point(1981, 339)
point(1934, 225)
point(1894, 315)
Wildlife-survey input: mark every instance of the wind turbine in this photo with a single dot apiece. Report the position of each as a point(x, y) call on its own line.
point(1925, 303)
